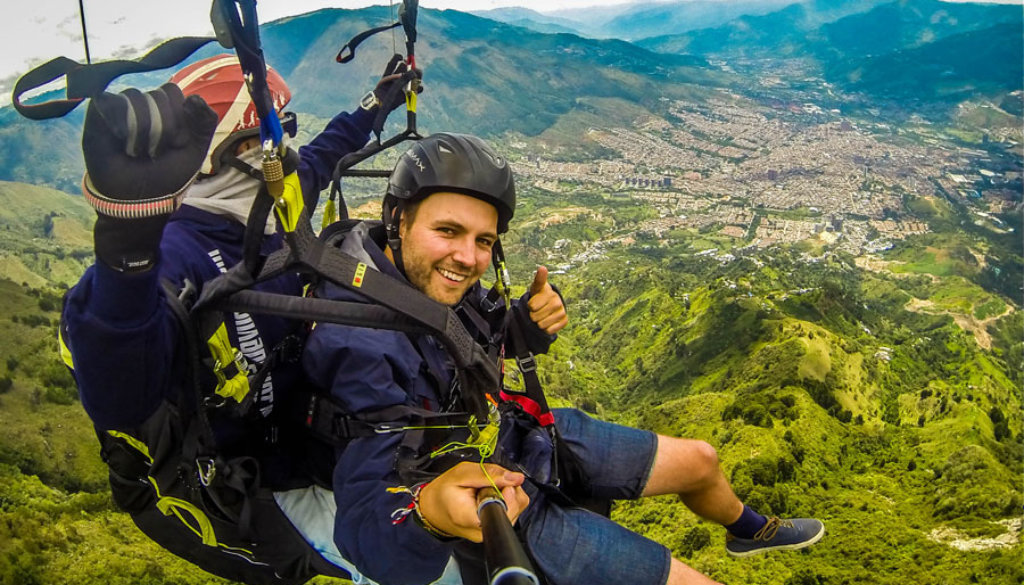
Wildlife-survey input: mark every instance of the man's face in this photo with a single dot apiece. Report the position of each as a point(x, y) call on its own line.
point(447, 246)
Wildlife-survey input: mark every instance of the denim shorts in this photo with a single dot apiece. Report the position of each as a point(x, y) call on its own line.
point(573, 546)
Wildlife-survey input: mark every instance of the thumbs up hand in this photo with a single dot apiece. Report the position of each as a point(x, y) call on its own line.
point(546, 307)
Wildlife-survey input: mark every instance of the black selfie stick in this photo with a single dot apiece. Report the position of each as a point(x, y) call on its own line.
point(507, 563)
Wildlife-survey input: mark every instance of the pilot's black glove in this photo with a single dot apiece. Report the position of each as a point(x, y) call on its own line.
point(141, 150)
point(389, 94)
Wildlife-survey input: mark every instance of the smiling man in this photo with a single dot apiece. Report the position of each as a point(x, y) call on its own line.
point(406, 501)
point(449, 249)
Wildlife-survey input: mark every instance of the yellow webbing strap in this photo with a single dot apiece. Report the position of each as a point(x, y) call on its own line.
point(186, 512)
point(330, 214)
point(64, 350)
point(237, 386)
point(202, 528)
point(289, 204)
point(133, 442)
point(410, 101)
point(200, 524)
point(167, 505)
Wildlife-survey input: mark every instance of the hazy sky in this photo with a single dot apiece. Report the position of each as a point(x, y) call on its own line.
point(34, 31)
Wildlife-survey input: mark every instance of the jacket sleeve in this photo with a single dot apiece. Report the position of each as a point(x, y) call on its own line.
point(121, 336)
point(365, 370)
point(344, 134)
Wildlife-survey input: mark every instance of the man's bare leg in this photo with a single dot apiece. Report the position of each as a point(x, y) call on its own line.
point(690, 469)
point(681, 574)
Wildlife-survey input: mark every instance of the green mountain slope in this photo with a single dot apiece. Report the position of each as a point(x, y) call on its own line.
point(41, 153)
point(481, 76)
point(58, 523)
point(45, 235)
point(987, 61)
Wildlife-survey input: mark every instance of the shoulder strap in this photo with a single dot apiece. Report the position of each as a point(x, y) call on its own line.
point(190, 402)
point(532, 400)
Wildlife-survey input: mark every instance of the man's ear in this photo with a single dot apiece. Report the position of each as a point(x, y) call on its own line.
point(402, 225)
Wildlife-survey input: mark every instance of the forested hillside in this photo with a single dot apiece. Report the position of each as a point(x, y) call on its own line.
point(885, 402)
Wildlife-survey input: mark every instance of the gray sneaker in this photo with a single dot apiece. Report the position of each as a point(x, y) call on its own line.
point(777, 535)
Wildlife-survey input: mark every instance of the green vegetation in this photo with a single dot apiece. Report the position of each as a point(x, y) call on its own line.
point(809, 414)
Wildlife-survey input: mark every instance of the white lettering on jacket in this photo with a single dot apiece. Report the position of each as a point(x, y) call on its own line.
point(251, 345)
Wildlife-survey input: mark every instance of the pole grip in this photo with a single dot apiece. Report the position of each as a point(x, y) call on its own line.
point(507, 563)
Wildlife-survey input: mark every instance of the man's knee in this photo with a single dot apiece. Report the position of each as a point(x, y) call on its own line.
point(704, 459)
point(683, 465)
point(698, 459)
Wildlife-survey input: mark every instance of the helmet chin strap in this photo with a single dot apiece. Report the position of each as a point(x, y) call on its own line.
point(392, 214)
point(504, 281)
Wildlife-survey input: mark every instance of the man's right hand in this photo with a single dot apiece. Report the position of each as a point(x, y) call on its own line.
point(449, 501)
point(390, 89)
point(141, 151)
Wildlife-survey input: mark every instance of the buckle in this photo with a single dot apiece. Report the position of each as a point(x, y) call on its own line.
point(227, 371)
point(369, 101)
point(527, 364)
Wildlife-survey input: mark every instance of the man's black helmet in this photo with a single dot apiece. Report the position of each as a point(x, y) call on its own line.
point(458, 163)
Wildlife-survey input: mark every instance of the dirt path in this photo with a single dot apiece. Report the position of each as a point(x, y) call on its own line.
point(953, 538)
point(969, 323)
point(874, 264)
point(976, 327)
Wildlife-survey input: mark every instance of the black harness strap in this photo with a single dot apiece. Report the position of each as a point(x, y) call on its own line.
point(335, 425)
point(190, 402)
point(85, 81)
point(532, 400)
point(306, 254)
point(348, 52)
point(315, 309)
point(199, 444)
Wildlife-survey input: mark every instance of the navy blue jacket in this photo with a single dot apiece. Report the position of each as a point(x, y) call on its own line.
point(370, 369)
point(120, 331)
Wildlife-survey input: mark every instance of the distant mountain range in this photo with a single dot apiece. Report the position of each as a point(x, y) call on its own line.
point(481, 76)
point(491, 78)
point(952, 68)
point(902, 50)
point(636, 21)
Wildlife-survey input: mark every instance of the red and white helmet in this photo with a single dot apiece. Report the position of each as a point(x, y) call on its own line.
point(220, 82)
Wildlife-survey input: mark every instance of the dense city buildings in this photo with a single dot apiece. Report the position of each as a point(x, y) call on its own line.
point(762, 176)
